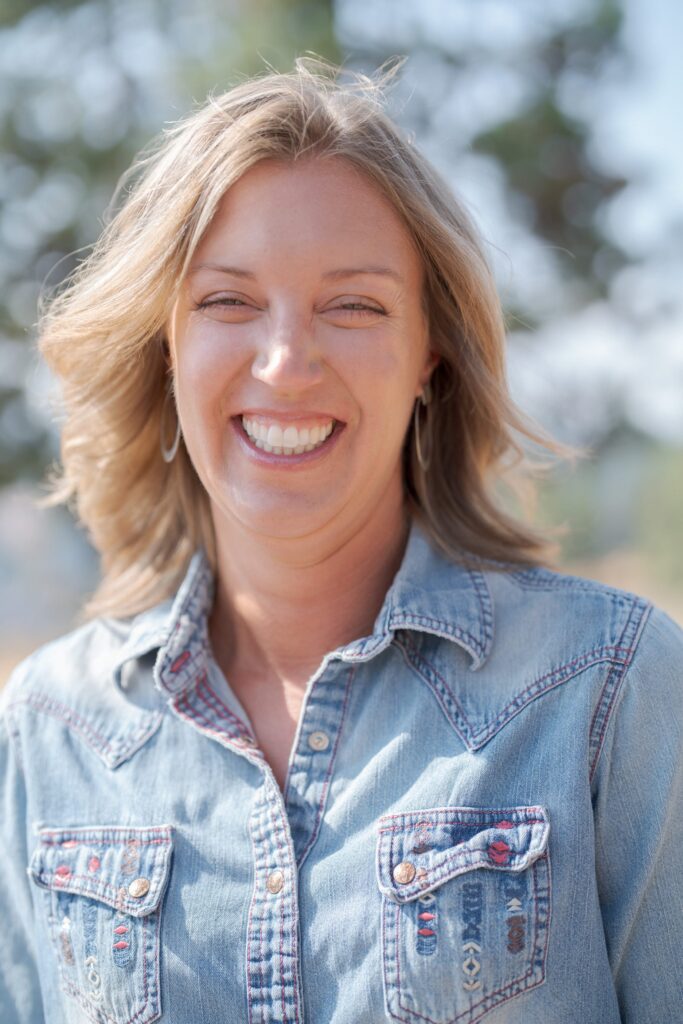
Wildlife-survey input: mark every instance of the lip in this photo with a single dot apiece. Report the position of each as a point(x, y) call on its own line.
point(315, 417)
point(286, 461)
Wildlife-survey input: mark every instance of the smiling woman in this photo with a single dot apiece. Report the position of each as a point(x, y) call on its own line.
point(333, 742)
point(298, 352)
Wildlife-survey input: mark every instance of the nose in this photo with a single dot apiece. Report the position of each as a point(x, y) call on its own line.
point(288, 359)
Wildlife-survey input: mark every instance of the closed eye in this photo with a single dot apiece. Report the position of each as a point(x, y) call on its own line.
point(349, 307)
point(220, 302)
point(360, 307)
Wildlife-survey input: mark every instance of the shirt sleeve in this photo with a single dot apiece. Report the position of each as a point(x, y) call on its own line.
point(20, 994)
point(638, 809)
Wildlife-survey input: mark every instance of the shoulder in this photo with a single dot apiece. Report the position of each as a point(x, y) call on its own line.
point(565, 623)
point(68, 689)
point(613, 611)
point(68, 663)
point(550, 607)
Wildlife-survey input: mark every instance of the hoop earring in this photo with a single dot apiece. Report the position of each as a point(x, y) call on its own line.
point(425, 398)
point(168, 454)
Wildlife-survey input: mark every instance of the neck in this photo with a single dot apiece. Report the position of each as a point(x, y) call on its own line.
point(280, 606)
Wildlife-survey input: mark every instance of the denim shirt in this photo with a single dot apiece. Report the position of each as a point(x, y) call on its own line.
point(482, 817)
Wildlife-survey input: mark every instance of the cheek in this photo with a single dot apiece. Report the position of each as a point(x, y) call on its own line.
point(383, 381)
point(208, 363)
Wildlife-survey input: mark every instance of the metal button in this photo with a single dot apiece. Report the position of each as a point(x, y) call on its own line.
point(139, 887)
point(275, 881)
point(319, 741)
point(404, 872)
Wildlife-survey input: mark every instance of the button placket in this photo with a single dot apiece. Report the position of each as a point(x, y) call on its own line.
point(308, 781)
point(274, 985)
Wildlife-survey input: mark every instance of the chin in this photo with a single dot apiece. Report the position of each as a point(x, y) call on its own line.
point(287, 519)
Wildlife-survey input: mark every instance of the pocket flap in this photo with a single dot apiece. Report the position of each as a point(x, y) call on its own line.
point(127, 868)
point(420, 850)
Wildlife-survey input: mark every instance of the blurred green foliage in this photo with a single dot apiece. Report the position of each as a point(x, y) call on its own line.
point(627, 495)
point(658, 514)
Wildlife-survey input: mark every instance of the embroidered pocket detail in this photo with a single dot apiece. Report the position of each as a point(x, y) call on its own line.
point(466, 908)
point(104, 890)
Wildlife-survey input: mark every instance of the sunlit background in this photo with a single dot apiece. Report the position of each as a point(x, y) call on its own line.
point(558, 122)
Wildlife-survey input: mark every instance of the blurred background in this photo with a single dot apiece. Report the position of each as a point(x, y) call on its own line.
point(556, 120)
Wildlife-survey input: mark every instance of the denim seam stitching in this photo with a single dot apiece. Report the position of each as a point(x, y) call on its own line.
point(96, 892)
point(612, 688)
point(457, 718)
point(100, 835)
point(568, 582)
point(554, 678)
point(465, 862)
point(458, 812)
point(182, 703)
point(253, 828)
point(14, 738)
point(206, 693)
point(55, 709)
point(451, 631)
point(463, 824)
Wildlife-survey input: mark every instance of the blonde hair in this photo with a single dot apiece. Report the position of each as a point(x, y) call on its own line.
point(102, 335)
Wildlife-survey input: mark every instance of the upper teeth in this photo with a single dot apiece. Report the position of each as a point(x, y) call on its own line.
point(286, 440)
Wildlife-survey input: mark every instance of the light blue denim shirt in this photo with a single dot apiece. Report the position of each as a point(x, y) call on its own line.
point(482, 819)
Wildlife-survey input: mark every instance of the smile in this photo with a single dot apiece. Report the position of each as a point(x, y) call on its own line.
point(286, 438)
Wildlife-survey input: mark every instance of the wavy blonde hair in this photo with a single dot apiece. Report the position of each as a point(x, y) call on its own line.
point(102, 335)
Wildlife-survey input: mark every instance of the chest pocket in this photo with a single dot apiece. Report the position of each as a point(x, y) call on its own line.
point(103, 892)
point(465, 909)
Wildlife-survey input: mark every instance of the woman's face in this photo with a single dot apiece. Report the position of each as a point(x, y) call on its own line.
point(299, 329)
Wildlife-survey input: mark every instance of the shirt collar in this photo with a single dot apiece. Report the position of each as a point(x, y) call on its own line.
point(433, 594)
point(429, 594)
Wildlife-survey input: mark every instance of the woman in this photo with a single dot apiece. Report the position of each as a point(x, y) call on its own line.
point(332, 744)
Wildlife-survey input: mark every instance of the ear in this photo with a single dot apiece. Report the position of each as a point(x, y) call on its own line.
point(165, 351)
point(432, 361)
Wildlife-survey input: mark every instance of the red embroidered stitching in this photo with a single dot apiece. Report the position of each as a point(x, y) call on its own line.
point(81, 996)
point(181, 660)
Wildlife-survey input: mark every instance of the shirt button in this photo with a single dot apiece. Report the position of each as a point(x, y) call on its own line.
point(404, 872)
point(318, 741)
point(275, 881)
point(139, 887)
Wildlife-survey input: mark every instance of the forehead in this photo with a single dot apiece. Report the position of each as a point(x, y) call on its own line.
point(307, 209)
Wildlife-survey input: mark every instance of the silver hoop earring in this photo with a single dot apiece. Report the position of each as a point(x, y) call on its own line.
point(168, 454)
point(424, 399)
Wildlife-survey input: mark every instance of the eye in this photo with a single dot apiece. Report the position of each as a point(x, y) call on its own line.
point(360, 307)
point(228, 301)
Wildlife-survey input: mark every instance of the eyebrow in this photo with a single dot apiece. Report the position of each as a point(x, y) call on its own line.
point(329, 275)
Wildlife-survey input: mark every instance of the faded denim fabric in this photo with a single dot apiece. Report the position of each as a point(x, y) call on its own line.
point(483, 817)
